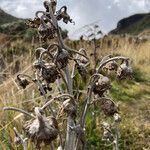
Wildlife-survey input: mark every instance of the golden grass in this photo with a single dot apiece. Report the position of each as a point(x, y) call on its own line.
point(133, 113)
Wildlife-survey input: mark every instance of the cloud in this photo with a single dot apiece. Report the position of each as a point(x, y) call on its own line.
point(83, 12)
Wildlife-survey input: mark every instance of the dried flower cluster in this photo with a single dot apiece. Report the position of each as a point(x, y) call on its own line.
point(51, 65)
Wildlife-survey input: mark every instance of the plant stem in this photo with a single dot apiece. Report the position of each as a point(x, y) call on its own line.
point(103, 63)
point(116, 147)
point(23, 141)
point(19, 110)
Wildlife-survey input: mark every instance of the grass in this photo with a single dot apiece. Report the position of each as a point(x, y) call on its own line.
point(133, 97)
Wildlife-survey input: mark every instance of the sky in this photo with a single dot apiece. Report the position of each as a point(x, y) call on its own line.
point(106, 12)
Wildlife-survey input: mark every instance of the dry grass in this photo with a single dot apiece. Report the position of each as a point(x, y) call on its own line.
point(135, 111)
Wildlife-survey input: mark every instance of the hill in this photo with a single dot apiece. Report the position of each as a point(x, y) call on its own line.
point(134, 24)
point(11, 25)
point(6, 18)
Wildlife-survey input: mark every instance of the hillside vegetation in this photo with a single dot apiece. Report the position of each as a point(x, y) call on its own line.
point(6, 18)
point(133, 25)
point(132, 96)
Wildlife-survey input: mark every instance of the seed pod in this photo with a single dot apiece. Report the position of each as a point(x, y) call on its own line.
point(22, 82)
point(62, 14)
point(49, 72)
point(111, 66)
point(52, 4)
point(42, 129)
point(101, 85)
point(62, 58)
point(46, 32)
point(108, 106)
point(124, 71)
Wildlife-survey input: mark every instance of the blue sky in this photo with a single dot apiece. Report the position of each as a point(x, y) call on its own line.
point(83, 12)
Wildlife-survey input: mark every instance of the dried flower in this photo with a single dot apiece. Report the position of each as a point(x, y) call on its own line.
point(52, 4)
point(62, 14)
point(42, 129)
point(22, 82)
point(49, 72)
point(62, 58)
point(108, 106)
point(124, 71)
point(101, 85)
point(111, 66)
point(46, 31)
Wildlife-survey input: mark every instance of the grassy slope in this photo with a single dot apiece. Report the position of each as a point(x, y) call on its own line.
point(133, 27)
point(6, 18)
point(133, 97)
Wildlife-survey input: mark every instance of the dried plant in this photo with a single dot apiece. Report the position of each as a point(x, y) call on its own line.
point(54, 65)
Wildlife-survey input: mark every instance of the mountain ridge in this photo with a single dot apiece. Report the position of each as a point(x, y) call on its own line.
point(6, 18)
point(134, 24)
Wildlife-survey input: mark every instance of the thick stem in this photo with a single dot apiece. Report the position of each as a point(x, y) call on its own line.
point(23, 141)
point(70, 137)
point(52, 146)
point(116, 146)
point(68, 79)
point(95, 54)
point(44, 94)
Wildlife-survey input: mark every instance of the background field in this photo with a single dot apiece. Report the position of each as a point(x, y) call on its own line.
point(133, 96)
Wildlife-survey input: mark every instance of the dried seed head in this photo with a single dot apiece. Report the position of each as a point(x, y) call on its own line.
point(62, 14)
point(62, 58)
point(46, 32)
point(111, 66)
point(22, 82)
point(101, 85)
point(46, 5)
point(52, 4)
point(124, 71)
point(42, 129)
point(49, 72)
point(108, 106)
